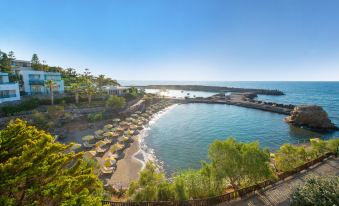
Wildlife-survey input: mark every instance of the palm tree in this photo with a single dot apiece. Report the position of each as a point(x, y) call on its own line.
point(100, 81)
point(51, 84)
point(89, 90)
point(75, 88)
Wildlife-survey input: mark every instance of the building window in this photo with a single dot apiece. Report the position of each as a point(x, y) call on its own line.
point(7, 93)
point(36, 89)
point(53, 77)
point(34, 76)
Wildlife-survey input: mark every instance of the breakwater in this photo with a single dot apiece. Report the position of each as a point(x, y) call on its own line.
point(265, 107)
point(243, 100)
point(214, 89)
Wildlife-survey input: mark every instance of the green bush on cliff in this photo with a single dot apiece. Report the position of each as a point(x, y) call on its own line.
point(35, 170)
point(22, 106)
point(239, 163)
point(116, 102)
point(333, 145)
point(95, 117)
point(151, 186)
point(230, 162)
point(289, 157)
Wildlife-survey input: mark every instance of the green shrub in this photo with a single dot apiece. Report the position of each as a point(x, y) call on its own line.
point(333, 144)
point(115, 102)
point(151, 186)
point(95, 117)
point(42, 120)
point(288, 157)
point(317, 191)
point(55, 111)
point(319, 147)
point(22, 106)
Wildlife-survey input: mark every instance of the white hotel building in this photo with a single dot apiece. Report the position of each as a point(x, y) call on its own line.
point(34, 82)
point(8, 91)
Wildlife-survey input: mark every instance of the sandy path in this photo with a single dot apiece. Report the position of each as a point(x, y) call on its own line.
point(127, 168)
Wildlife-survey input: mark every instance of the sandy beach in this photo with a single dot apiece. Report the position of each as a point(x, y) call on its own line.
point(128, 168)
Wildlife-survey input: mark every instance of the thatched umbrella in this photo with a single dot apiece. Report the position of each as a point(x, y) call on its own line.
point(124, 123)
point(110, 162)
point(90, 154)
point(116, 120)
point(140, 127)
point(119, 129)
point(134, 115)
point(120, 146)
point(100, 143)
point(115, 134)
point(99, 132)
point(107, 127)
point(133, 127)
point(123, 139)
point(75, 147)
point(87, 138)
point(129, 119)
point(108, 134)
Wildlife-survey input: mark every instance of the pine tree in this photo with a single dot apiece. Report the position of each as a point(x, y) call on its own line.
point(36, 170)
point(35, 62)
point(5, 63)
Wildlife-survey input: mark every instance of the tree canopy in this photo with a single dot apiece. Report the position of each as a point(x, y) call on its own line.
point(115, 102)
point(151, 185)
point(35, 61)
point(36, 170)
point(239, 161)
point(230, 162)
point(5, 63)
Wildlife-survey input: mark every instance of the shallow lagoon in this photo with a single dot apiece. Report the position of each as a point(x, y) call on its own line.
point(180, 137)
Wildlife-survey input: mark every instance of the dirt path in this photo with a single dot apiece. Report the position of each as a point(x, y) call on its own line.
point(280, 193)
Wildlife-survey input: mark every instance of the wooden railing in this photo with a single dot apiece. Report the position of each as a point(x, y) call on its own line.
point(225, 197)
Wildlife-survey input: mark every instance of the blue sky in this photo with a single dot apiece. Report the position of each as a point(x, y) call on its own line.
point(179, 39)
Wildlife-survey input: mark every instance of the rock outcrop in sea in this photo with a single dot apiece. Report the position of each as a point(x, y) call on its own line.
point(311, 116)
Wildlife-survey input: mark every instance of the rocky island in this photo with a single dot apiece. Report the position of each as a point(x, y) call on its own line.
point(311, 116)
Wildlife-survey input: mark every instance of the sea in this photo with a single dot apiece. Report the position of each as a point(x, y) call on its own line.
point(178, 138)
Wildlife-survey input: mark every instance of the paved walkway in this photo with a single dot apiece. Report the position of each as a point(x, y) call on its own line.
point(280, 193)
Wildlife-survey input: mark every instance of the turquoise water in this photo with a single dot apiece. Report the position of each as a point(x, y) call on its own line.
point(180, 137)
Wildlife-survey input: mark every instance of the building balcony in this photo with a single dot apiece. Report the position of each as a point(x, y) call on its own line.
point(9, 86)
point(7, 96)
point(36, 82)
point(9, 83)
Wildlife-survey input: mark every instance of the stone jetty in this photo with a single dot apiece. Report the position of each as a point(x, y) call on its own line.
point(213, 89)
point(244, 100)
